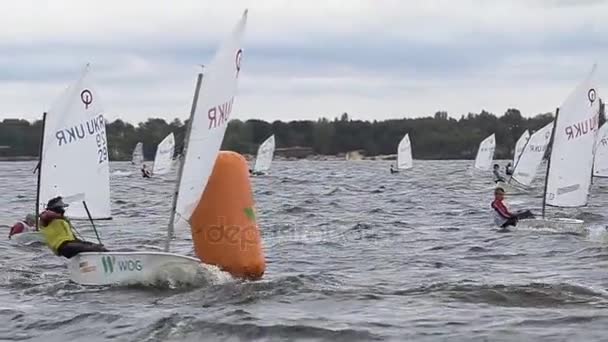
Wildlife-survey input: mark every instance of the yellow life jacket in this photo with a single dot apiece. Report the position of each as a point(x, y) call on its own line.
point(56, 233)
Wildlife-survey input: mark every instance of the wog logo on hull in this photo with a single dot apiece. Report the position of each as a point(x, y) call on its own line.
point(111, 265)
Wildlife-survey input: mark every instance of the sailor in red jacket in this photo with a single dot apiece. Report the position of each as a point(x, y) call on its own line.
point(502, 216)
point(27, 225)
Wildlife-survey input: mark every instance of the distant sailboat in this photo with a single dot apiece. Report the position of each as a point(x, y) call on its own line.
point(404, 154)
point(264, 156)
point(485, 153)
point(138, 154)
point(531, 157)
point(164, 156)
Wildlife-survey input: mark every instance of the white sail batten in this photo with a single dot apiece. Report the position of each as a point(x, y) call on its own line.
point(163, 161)
point(264, 156)
point(485, 153)
point(571, 163)
point(75, 153)
point(208, 125)
point(404, 154)
point(532, 156)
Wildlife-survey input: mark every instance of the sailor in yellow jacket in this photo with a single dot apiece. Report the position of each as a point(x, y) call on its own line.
point(58, 232)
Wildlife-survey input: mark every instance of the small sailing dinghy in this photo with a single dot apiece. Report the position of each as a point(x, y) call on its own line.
point(485, 154)
point(206, 129)
point(264, 157)
point(74, 159)
point(570, 165)
point(138, 154)
point(404, 154)
point(529, 160)
point(163, 161)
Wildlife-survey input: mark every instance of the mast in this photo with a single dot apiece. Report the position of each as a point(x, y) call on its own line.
point(39, 170)
point(518, 158)
point(549, 160)
point(170, 228)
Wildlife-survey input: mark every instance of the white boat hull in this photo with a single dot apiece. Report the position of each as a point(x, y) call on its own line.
point(565, 225)
point(28, 238)
point(127, 268)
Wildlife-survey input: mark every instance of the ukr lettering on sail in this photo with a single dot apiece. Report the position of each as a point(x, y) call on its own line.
point(80, 131)
point(219, 115)
point(581, 128)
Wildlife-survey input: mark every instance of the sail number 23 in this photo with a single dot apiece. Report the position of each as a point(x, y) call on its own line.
point(102, 146)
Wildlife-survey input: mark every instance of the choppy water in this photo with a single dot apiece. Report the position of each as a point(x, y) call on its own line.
point(353, 253)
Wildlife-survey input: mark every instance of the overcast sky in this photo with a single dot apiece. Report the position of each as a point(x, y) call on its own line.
point(374, 59)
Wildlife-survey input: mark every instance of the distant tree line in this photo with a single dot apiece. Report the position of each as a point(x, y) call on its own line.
point(437, 137)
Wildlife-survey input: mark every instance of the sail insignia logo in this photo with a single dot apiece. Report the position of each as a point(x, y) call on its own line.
point(111, 265)
point(592, 96)
point(86, 97)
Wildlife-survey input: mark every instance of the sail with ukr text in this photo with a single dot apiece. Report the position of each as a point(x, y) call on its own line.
point(213, 111)
point(571, 163)
point(485, 153)
point(404, 154)
point(532, 156)
point(75, 154)
point(164, 156)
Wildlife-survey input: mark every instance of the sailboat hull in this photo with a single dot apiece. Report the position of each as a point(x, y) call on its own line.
point(127, 268)
point(565, 225)
point(28, 238)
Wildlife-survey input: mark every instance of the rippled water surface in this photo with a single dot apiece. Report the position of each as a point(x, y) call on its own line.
point(353, 254)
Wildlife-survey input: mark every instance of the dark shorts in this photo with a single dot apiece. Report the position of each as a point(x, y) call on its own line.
point(512, 221)
point(69, 249)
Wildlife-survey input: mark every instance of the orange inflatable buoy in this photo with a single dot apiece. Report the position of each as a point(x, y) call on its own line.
point(224, 228)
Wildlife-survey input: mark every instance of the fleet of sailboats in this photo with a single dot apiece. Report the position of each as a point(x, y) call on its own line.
point(74, 161)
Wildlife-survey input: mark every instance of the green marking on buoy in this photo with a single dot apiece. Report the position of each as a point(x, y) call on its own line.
point(250, 213)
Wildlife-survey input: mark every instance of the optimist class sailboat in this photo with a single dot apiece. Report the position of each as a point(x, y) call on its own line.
point(404, 154)
point(163, 161)
point(264, 156)
point(203, 140)
point(485, 153)
point(569, 171)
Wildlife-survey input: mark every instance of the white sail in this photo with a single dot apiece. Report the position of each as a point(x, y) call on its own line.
point(264, 156)
point(571, 163)
point(213, 111)
point(485, 153)
point(164, 156)
point(532, 155)
point(519, 146)
point(404, 153)
point(600, 163)
point(138, 154)
point(75, 154)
